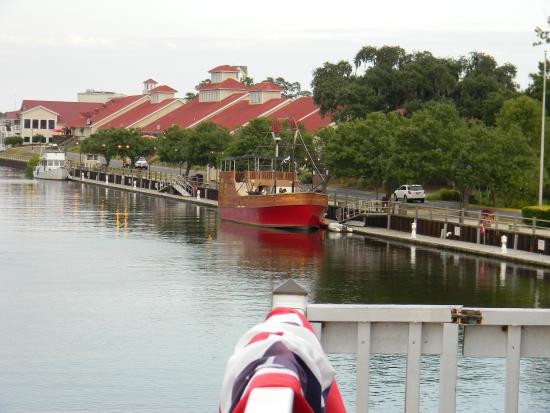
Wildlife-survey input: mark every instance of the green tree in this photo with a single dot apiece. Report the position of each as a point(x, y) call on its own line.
point(118, 142)
point(248, 81)
point(534, 90)
point(523, 112)
point(290, 89)
point(482, 77)
point(543, 35)
point(193, 147)
point(190, 96)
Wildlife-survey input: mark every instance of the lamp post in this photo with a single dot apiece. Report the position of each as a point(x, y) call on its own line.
point(541, 170)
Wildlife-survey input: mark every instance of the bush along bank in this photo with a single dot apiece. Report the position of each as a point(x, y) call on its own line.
point(538, 212)
point(30, 165)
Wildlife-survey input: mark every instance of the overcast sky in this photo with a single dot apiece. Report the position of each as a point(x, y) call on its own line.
point(53, 49)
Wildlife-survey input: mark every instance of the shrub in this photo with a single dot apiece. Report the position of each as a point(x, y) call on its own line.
point(39, 139)
point(31, 164)
point(13, 140)
point(444, 195)
point(450, 195)
point(539, 212)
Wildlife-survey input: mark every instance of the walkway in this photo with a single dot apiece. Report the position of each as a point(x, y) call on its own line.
point(468, 247)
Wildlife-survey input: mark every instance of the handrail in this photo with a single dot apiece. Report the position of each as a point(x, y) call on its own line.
point(463, 217)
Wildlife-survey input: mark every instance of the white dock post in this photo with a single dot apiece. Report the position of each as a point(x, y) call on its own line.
point(107, 179)
point(198, 194)
point(504, 242)
point(290, 294)
point(413, 229)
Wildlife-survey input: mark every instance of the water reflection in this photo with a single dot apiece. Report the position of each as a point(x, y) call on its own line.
point(103, 289)
point(362, 270)
point(273, 249)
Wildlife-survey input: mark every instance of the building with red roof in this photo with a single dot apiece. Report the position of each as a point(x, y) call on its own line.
point(225, 101)
point(193, 113)
point(143, 114)
point(40, 117)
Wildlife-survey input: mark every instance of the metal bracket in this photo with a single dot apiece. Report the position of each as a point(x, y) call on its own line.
point(465, 316)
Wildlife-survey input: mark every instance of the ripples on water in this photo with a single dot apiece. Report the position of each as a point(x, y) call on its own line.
point(119, 302)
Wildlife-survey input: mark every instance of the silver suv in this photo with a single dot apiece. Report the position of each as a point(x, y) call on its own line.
point(409, 193)
point(141, 163)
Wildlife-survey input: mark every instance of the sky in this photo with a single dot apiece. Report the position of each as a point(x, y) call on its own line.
point(51, 50)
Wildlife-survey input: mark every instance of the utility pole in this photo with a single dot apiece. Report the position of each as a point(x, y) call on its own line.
point(541, 171)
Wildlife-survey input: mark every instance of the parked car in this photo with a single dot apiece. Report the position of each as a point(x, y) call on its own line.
point(409, 193)
point(141, 163)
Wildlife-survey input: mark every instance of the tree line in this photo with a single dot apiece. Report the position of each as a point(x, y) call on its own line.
point(418, 118)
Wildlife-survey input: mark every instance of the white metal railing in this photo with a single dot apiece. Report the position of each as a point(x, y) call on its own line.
point(417, 330)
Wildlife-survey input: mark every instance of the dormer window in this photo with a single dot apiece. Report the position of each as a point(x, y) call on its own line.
point(256, 97)
point(216, 77)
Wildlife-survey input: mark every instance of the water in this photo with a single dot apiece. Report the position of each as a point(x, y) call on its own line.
point(119, 302)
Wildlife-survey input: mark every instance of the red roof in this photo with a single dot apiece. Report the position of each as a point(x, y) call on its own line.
point(224, 69)
point(12, 115)
point(230, 84)
point(243, 112)
point(270, 86)
point(151, 81)
point(193, 111)
point(70, 113)
point(112, 106)
point(133, 115)
point(305, 112)
point(163, 88)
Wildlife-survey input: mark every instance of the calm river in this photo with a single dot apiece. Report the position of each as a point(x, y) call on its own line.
point(116, 302)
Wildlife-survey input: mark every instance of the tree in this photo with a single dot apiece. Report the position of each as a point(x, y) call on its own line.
point(534, 90)
point(290, 89)
point(481, 76)
point(388, 78)
point(543, 35)
point(247, 81)
point(118, 142)
point(522, 112)
point(202, 83)
point(170, 147)
point(190, 96)
point(193, 147)
point(39, 138)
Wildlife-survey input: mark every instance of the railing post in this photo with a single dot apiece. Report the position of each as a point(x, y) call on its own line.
point(478, 232)
point(290, 294)
point(362, 367)
point(412, 389)
point(447, 369)
point(513, 349)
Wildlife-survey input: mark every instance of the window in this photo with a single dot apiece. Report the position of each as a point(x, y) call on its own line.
point(35, 123)
point(255, 97)
point(43, 123)
point(27, 124)
point(216, 77)
point(51, 124)
point(27, 139)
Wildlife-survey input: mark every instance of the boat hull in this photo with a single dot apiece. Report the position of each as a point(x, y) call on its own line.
point(283, 216)
point(58, 174)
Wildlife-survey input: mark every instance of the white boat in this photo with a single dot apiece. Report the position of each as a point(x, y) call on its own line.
point(336, 227)
point(51, 166)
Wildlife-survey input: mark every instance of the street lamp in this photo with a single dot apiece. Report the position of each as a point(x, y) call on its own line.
point(541, 171)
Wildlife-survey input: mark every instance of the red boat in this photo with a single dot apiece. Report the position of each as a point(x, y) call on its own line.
point(268, 198)
point(265, 198)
